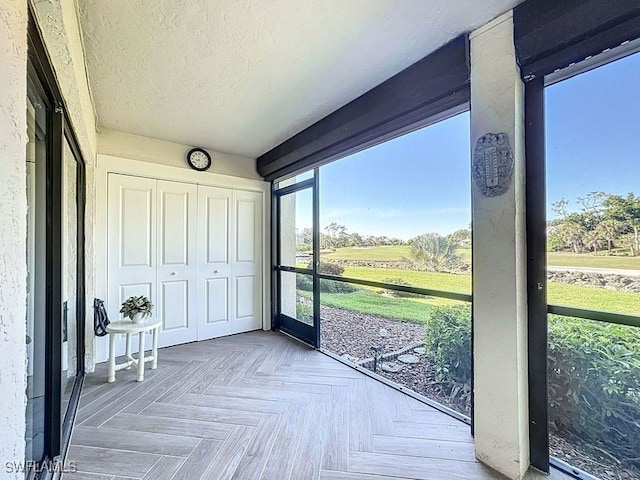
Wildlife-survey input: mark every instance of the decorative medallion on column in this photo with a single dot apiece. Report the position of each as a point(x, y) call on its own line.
point(492, 164)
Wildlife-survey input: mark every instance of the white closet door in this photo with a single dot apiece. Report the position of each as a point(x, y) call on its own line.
point(215, 282)
point(246, 258)
point(131, 253)
point(177, 262)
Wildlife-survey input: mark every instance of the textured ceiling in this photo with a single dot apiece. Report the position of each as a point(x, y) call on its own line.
point(242, 76)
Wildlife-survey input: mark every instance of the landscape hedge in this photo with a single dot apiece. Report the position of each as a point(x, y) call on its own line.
point(593, 372)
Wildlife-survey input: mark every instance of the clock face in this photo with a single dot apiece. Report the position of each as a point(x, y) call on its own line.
point(199, 159)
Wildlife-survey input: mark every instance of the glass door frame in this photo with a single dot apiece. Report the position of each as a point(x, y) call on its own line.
point(309, 334)
point(58, 424)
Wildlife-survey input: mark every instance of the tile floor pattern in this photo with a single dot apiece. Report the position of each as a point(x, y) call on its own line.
point(261, 406)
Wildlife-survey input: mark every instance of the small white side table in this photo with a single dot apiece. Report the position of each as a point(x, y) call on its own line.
point(128, 328)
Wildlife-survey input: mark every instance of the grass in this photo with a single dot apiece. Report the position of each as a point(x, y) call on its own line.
point(437, 281)
point(588, 260)
point(559, 293)
point(591, 298)
point(369, 302)
point(389, 253)
point(397, 253)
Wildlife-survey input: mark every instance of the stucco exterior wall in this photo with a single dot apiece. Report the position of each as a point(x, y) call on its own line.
point(135, 147)
point(13, 231)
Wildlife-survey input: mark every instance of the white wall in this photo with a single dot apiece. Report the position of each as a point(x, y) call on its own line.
point(13, 231)
point(135, 147)
point(499, 256)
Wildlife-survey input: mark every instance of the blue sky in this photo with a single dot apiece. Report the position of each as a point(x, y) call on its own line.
point(420, 182)
point(414, 184)
point(593, 132)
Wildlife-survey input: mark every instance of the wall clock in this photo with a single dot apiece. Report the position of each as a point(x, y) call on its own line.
point(199, 159)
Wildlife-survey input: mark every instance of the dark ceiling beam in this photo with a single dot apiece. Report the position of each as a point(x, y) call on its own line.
point(435, 84)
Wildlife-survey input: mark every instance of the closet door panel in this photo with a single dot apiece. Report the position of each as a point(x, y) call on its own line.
point(247, 261)
point(131, 243)
point(215, 286)
point(177, 270)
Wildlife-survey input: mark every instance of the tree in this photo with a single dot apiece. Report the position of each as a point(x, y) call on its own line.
point(608, 230)
point(571, 234)
point(626, 210)
point(593, 240)
point(433, 251)
point(461, 236)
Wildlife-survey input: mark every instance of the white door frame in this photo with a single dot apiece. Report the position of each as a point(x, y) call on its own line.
point(107, 164)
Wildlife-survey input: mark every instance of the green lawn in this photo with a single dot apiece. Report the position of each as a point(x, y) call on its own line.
point(559, 293)
point(396, 253)
point(382, 254)
point(370, 302)
point(438, 281)
point(592, 261)
point(592, 298)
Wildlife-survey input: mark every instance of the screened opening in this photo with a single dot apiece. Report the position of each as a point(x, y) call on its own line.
point(374, 261)
point(593, 258)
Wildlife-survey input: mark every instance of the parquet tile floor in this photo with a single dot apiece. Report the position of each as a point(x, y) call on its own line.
point(257, 406)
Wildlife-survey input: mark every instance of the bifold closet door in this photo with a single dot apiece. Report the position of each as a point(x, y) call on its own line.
point(229, 262)
point(152, 242)
point(131, 242)
point(247, 261)
point(215, 281)
point(177, 262)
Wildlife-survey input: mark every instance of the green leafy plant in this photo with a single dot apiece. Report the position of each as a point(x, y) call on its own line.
point(304, 313)
point(448, 346)
point(305, 282)
point(398, 293)
point(433, 251)
point(594, 384)
point(133, 305)
point(328, 268)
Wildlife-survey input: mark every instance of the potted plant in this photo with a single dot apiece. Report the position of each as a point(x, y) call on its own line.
point(137, 308)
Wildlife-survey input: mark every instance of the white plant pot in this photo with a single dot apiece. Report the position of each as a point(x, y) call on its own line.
point(137, 318)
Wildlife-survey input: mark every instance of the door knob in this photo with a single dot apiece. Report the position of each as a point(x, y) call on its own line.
point(174, 273)
point(215, 271)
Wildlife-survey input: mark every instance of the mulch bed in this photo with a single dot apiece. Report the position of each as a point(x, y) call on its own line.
point(351, 333)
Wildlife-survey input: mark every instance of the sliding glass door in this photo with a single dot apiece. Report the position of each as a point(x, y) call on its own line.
point(55, 267)
point(37, 131)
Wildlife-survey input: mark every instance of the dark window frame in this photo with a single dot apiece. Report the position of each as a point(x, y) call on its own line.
point(547, 58)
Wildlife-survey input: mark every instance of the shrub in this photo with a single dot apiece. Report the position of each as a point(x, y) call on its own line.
point(398, 293)
point(329, 268)
point(433, 251)
point(305, 282)
point(593, 376)
point(332, 286)
point(594, 383)
point(448, 345)
point(304, 313)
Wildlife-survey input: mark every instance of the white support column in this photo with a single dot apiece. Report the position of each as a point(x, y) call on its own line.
point(499, 268)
